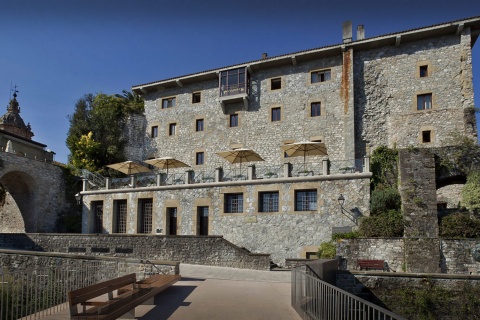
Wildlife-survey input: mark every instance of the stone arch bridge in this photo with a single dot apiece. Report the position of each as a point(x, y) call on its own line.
point(32, 194)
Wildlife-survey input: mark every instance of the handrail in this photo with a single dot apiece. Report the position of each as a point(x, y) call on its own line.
point(313, 298)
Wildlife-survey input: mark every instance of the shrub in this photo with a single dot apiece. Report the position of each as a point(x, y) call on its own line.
point(471, 192)
point(327, 250)
point(460, 225)
point(383, 200)
point(384, 167)
point(385, 224)
point(346, 235)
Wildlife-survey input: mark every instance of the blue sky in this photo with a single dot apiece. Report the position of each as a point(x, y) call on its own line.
point(58, 50)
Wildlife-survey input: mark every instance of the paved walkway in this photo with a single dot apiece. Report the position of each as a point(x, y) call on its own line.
point(220, 293)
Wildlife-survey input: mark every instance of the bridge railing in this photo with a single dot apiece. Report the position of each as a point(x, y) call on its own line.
point(313, 298)
point(39, 292)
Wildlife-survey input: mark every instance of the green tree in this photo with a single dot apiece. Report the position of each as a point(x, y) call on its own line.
point(471, 192)
point(95, 137)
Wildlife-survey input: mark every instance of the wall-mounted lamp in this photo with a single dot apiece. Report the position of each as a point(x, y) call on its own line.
point(78, 196)
point(341, 200)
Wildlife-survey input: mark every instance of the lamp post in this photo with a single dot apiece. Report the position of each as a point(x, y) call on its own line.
point(78, 197)
point(341, 201)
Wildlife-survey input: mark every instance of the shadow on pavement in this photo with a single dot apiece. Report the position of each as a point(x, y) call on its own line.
point(167, 302)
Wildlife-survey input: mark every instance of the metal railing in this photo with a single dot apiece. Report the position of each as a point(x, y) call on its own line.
point(346, 166)
point(95, 180)
point(203, 176)
point(39, 292)
point(313, 298)
point(268, 172)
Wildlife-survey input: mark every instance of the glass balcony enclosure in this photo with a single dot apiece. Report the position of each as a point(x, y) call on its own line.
point(234, 85)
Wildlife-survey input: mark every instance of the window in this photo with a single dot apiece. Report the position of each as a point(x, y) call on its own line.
point(233, 82)
point(168, 103)
point(426, 136)
point(233, 202)
point(276, 114)
point(145, 207)
point(154, 131)
point(199, 158)
point(276, 84)
point(423, 71)
point(268, 201)
point(97, 208)
point(315, 109)
point(196, 97)
point(172, 129)
point(424, 101)
point(199, 125)
point(234, 120)
point(305, 200)
point(121, 216)
point(320, 76)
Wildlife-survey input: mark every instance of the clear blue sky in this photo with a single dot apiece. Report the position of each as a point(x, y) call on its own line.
point(57, 50)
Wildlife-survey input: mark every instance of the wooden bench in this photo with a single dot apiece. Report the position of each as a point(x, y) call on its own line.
point(371, 264)
point(131, 293)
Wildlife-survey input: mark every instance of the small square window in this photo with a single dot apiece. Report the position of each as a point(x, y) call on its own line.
point(196, 97)
point(233, 203)
point(426, 136)
point(276, 84)
point(268, 201)
point(424, 101)
point(172, 129)
point(234, 120)
point(423, 71)
point(168, 103)
point(315, 109)
point(199, 125)
point(320, 76)
point(276, 114)
point(199, 158)
point(154, 132)
point(305, 200)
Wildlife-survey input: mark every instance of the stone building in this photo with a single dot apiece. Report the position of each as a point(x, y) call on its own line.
point(411, 88)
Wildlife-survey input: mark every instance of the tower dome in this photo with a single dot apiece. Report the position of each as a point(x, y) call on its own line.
point(12, 122)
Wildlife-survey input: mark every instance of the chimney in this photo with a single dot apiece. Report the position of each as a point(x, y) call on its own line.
point(360, 32)
point(347, 31)
point(264, 56)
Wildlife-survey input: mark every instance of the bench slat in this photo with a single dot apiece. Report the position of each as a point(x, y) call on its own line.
point(81, 295)
point(129, 299)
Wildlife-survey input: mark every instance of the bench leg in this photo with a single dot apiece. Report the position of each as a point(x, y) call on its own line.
point(149, 302)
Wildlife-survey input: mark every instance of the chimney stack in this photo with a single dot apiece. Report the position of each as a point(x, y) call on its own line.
point(347, 31)
point(360, 32)
point(264, 56)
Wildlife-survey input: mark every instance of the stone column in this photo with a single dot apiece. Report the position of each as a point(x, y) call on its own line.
point(108, 183)
point(419, 205)
point(286, 170)
point(218, 174)
point(366, 164)
point(251, 172)
point(325, 167)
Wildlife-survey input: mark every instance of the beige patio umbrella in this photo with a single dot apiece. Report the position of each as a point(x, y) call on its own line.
point(240, 155)
point(305, 148)
point(166, 162)
point(129, 167)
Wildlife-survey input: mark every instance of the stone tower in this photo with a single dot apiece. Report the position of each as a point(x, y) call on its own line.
point(13, 123)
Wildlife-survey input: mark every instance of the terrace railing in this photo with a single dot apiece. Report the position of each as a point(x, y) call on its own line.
point(315, 299)
point(39, 292)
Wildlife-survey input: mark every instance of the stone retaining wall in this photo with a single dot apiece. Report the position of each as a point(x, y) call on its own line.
point(205, 250)
point(15, 260)
point(458, 256)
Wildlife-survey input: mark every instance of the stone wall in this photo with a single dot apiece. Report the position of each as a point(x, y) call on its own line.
point(284, 234)
point(386, 84)
point(415, 296)
point(451, 195)
point(16, 260)
point(459, 256)
point(34, 194)
point(211, 250)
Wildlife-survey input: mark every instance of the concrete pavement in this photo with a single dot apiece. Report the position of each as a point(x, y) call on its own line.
point(220, 293)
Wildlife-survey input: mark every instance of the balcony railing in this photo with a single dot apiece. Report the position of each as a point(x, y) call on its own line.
point(235, 173)
point(233, 89)
point(313, 298)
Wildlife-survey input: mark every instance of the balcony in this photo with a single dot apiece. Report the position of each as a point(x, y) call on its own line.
point(234, 86)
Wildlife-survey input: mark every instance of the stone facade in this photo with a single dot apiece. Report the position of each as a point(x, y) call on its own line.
point(284, 234)
point(409, 89)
